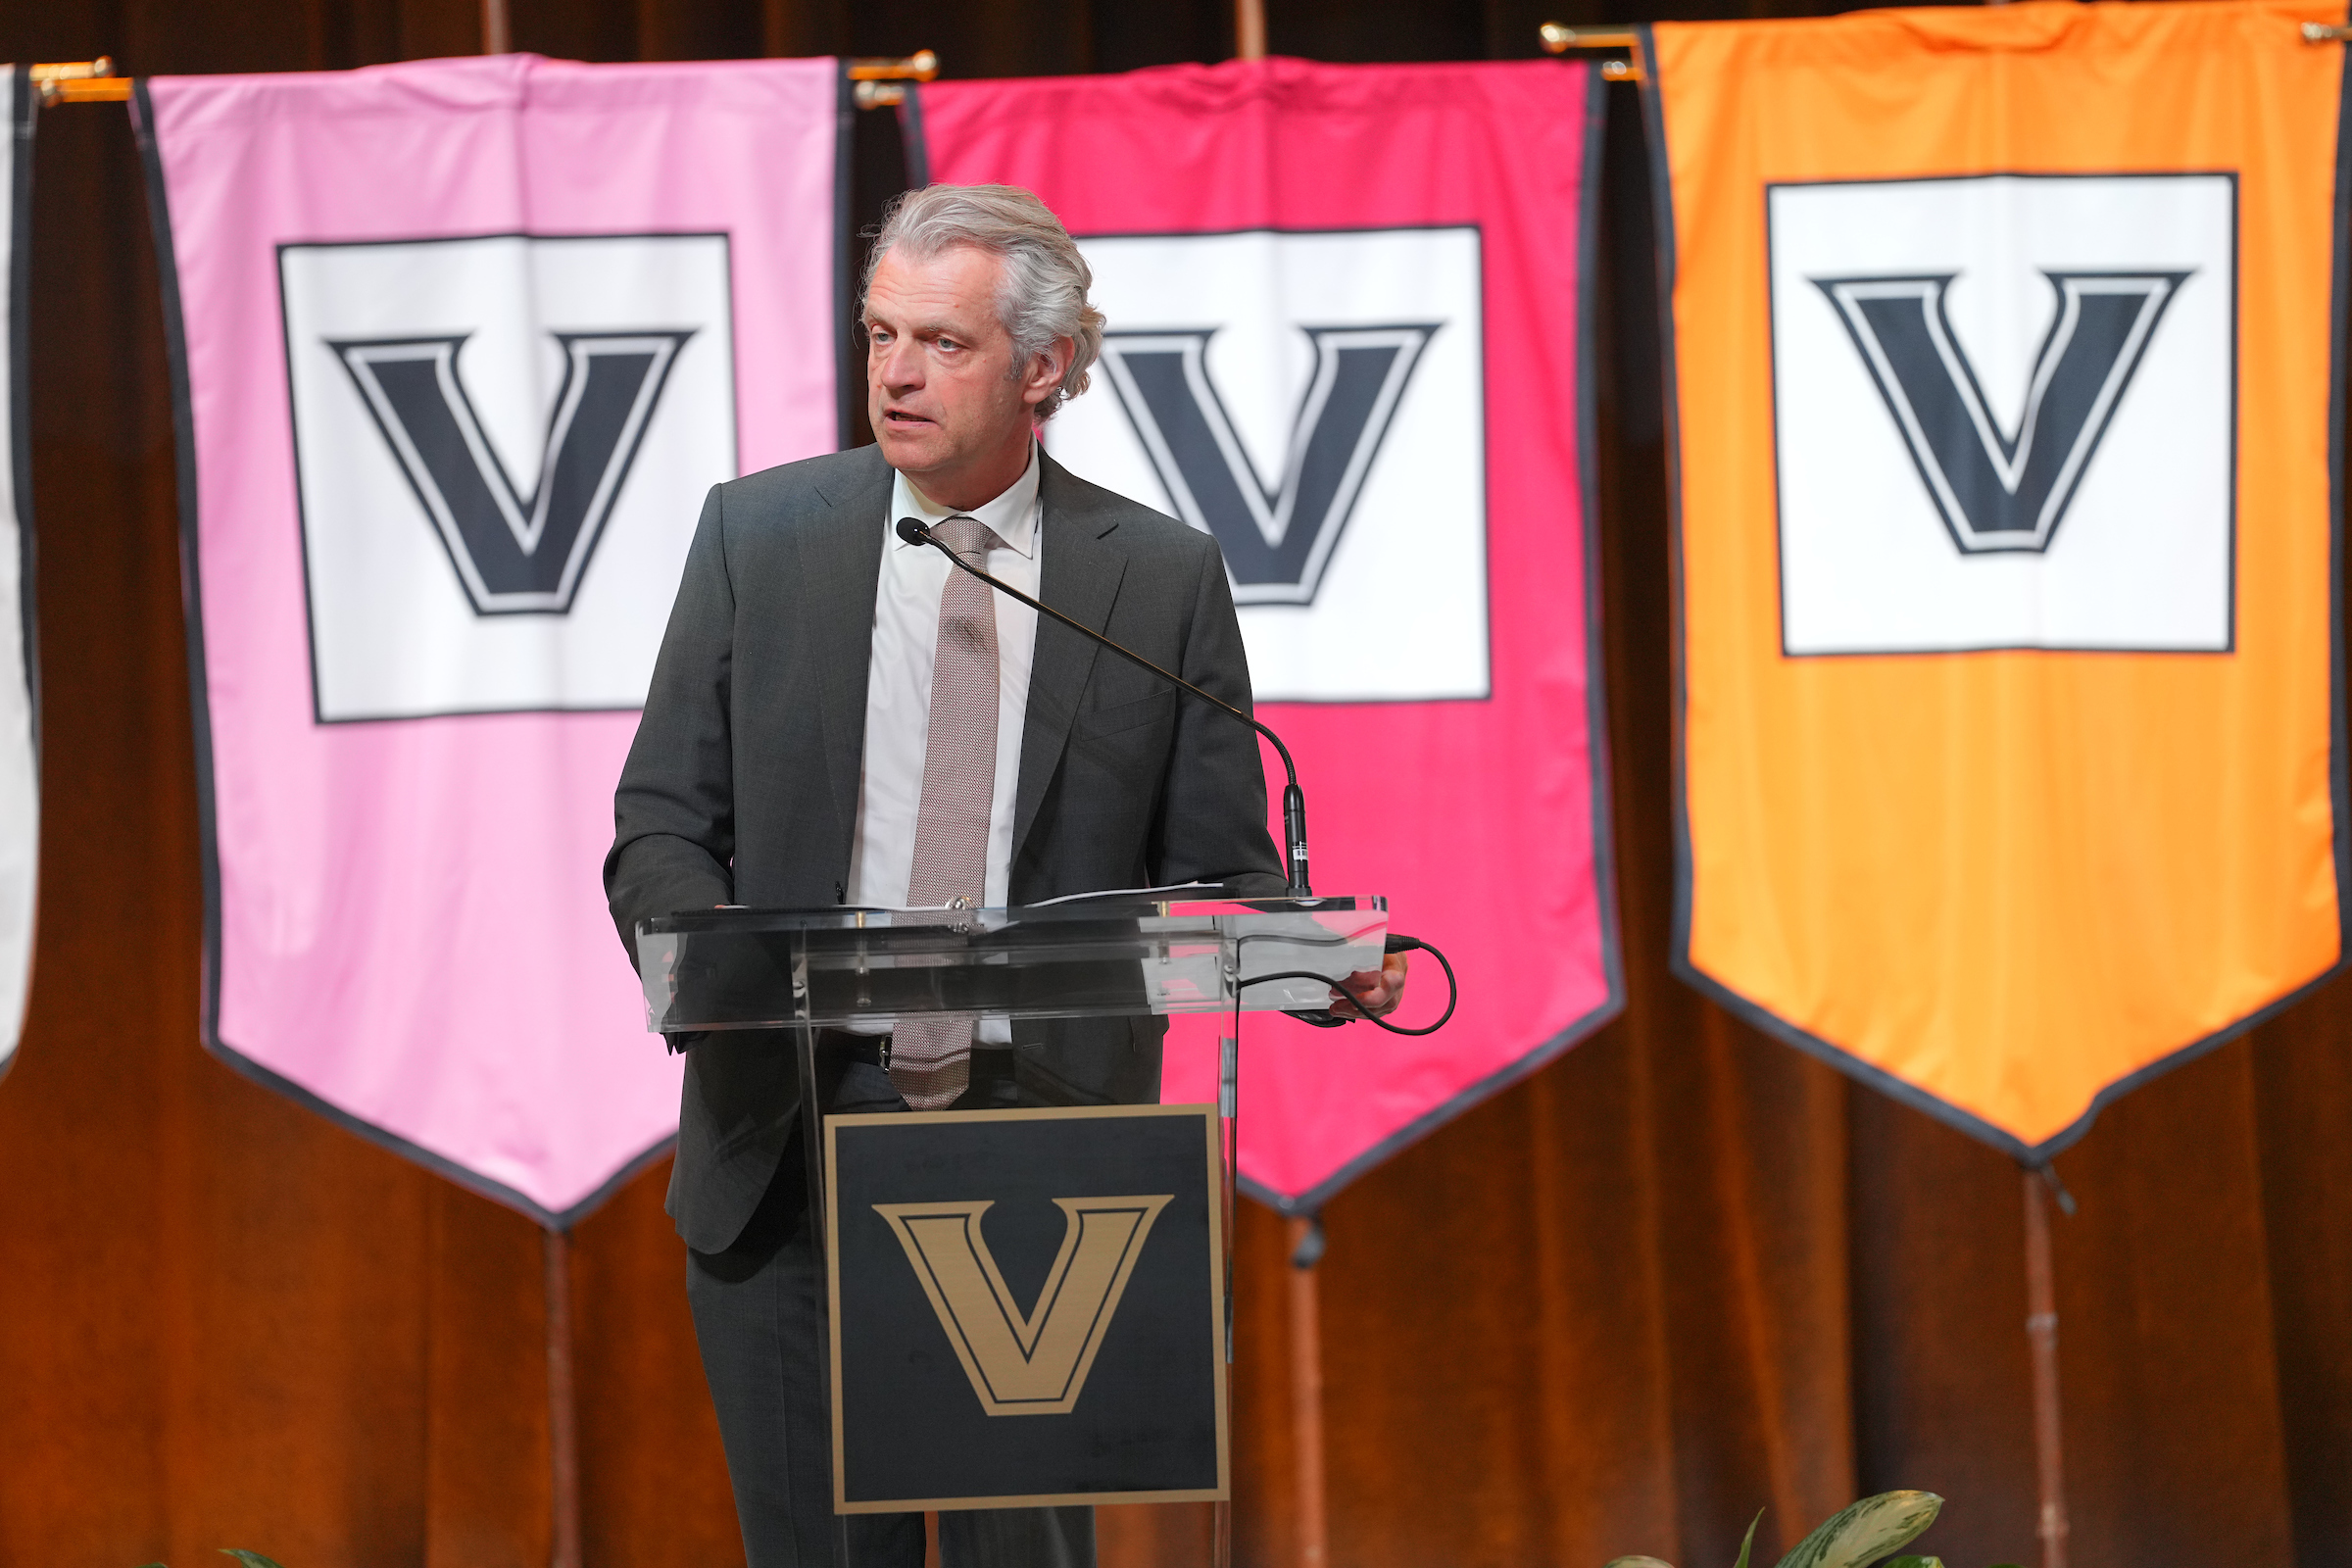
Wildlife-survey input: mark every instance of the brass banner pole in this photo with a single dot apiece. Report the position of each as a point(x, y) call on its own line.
point(881, 83)
point(498, 35)
point(1306, 1235)
point(80, 81)
point(1248, 30)
point(2041, 1330)
point(563, 1403)
point(1558, 39)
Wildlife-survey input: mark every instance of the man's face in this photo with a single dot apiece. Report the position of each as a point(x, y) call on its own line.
point(942, 387)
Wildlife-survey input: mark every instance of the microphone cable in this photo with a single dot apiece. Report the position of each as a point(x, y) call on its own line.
point(1395, 943)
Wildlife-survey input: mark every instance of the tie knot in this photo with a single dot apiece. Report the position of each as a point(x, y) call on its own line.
point(967, 536)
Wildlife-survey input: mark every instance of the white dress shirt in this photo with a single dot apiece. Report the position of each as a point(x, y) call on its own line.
point(898, 693)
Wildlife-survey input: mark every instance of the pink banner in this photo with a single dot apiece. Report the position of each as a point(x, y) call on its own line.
point(458, 346)
point(1346, 335)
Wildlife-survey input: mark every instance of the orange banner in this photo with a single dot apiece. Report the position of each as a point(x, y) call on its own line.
point(2004, 347)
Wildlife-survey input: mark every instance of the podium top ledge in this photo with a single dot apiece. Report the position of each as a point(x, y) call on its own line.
point(1187, 908)
point(748, 968)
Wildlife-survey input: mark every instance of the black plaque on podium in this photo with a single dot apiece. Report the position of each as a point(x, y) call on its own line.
point(1026, 1307)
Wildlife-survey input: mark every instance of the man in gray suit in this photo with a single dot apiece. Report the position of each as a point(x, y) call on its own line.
point(839, 716)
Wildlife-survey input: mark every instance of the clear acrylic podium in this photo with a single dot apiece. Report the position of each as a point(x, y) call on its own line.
point(1097, 957)
point(1113, 955)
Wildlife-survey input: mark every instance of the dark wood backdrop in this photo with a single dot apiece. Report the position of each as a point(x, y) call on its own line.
point(1681, 1275)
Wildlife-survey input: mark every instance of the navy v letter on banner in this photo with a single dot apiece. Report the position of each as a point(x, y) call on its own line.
point(1276, 540)
point(1999, 491)
point(516, 553)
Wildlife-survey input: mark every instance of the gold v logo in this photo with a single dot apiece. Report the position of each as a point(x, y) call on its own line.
point(1034, 1362)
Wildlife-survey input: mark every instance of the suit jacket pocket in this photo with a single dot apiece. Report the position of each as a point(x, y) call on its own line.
point(1120, 717)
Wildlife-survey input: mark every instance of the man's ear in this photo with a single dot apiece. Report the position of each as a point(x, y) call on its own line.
point(1047, 369)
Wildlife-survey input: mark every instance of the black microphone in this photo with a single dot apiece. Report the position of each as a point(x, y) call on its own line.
point(1293, 804)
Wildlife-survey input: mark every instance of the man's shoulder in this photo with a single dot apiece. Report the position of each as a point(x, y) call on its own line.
point(779, 494)
point(1121, 520)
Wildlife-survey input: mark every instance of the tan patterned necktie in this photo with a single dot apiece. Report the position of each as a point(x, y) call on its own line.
point(931, 1053)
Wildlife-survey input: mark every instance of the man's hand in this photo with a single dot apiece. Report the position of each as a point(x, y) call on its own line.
point(1372, 992)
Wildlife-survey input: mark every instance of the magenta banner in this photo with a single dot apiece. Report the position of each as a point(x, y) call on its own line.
point(1347, 336)
point(458, 346)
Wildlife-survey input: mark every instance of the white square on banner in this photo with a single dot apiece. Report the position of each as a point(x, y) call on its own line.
point(1316, 401)
point(502, 442)
point(2005, 413)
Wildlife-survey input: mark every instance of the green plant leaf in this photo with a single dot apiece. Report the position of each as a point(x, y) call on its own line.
point(1909, 1561)
point(251, 1559)
point(1635, 1562)
point(1748, 1541)
point(1866, 1531)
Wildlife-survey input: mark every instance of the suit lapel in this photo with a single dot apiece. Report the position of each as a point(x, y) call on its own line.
point(841, 571)
point(1080, 577)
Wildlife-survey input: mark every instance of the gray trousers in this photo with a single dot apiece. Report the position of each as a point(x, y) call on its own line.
point(755, 1318)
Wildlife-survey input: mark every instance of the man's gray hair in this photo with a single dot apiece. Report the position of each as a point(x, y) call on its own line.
point(1045, 279)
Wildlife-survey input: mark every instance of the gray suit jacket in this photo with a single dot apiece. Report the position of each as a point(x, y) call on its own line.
point(742, 785)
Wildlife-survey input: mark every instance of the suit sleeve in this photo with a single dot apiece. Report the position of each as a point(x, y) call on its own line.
point(673, 814)
point(1212, 822)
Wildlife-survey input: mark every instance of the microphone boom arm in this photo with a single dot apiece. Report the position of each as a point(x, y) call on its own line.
point(1294, 802)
